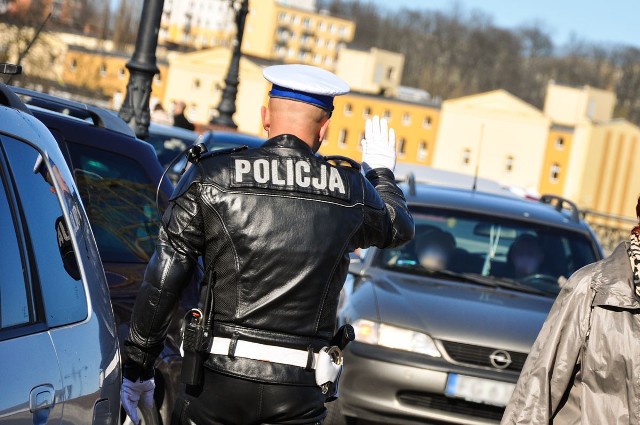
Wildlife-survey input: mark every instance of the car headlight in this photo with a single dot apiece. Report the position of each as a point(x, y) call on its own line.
point(370, 332)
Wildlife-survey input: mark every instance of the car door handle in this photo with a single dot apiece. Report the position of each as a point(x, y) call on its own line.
point(41, 397)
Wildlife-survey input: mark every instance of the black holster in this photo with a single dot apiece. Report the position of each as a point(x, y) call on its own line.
point(196, 340)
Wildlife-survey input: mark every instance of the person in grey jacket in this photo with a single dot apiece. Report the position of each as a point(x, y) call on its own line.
point(584, 367)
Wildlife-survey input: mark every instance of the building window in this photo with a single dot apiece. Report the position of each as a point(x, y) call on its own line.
point(103, 70)
point(342, 138)
point(283, 17)
point(508, 164)
point(423, 150)
point(402, 146)
point(196, 84)
point(466, 156)
point(554, 176)
point(426, 122)
point(360, 139)
point(386, 115)
point(73, 65)
point(560, 142)
point(348, 109)
point(367, 112)
point(296, 19)
point(306, 23)
point(121, 73)
point(406, 119)
point(322, 26)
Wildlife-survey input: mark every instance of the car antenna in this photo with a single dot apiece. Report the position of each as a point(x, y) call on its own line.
point(475, 173)
point(26, 50)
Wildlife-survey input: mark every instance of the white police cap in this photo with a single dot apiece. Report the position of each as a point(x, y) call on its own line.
point(305, 83)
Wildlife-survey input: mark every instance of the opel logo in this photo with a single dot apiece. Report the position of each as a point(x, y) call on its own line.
point(500, 359)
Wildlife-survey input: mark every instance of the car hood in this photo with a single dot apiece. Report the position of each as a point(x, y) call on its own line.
point(462, 312)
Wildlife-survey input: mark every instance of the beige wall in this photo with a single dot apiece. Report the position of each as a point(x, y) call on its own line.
point(371, 71)
point(492, 130)
point(198, 79)
point(610, 181)
point(567, 105)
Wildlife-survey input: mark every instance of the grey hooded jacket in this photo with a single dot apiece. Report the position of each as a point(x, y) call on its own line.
point(584, 367)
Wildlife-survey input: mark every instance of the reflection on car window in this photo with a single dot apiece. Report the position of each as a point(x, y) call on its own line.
point(540, 256)
point(15, 291)
point(63, 293)
point(120, 202)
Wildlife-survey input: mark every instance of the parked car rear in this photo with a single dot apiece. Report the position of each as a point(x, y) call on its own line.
point(119, 181)
point(59, 351)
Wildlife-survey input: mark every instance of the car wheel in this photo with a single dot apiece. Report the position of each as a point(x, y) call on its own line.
point(335, 416)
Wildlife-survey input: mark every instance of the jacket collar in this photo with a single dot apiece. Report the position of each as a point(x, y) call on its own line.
point(613, 281)
point(288, 141)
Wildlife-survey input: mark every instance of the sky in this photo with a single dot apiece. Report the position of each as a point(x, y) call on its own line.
point(602, 22)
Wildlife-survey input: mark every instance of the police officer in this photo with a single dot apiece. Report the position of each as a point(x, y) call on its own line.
point(274, 226)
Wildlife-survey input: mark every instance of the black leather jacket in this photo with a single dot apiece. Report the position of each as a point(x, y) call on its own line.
point(274, 226)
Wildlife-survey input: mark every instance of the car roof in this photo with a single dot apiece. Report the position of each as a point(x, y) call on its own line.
point(550, 210)
point(168, 130)
point(90, 114)
point(23, 125)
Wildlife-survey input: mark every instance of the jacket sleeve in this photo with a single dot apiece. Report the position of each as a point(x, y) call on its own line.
point(387, 220)
point(550, 368)
point(180, 243)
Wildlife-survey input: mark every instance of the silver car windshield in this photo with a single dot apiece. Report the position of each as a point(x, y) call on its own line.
point(478, 248)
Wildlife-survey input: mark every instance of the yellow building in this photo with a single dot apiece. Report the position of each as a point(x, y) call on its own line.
point(198, 79)
point(277, 31)
point(495, 134)
point(106, 72)
point(604, 175)
point(555, 166)
point(415, 125)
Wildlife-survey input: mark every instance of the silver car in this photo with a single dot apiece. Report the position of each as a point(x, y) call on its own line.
point(444, 323)
point(59, 354)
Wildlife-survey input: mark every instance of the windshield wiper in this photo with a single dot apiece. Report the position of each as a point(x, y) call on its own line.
point(490, 281)
point(416, 268)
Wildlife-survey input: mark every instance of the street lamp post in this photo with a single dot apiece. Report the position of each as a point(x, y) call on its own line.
point(142, 68)
point(227, 106)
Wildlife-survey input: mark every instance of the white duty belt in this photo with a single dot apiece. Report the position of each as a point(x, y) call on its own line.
point(263, 352)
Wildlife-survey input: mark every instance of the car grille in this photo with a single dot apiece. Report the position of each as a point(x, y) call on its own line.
point(451, 405)
point(480, 356)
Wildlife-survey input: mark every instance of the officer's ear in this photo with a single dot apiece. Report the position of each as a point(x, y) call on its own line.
point(266, 119)
point(323, 129)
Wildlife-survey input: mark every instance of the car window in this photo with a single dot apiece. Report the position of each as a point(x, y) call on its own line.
point(119, 199)
point(46, 238)
point(486, 246)
point(168, 146)
point(15, 291)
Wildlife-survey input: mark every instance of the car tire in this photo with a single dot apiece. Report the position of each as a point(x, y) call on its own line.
point(335, 416)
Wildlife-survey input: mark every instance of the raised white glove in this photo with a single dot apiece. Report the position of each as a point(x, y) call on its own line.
point(378, 145)
point(132, 393)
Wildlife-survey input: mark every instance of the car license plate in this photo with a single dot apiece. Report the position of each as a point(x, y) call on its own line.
point(479, 390)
